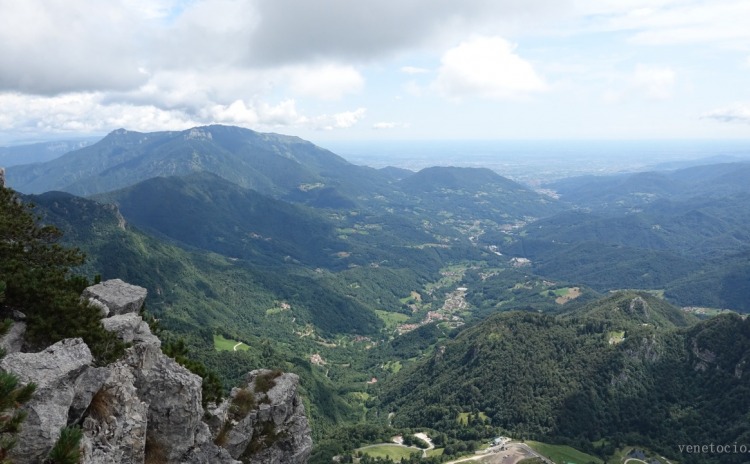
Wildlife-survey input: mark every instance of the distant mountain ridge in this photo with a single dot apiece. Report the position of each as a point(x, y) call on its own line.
point(636, 190)
point(39, 152)
point(270, 163)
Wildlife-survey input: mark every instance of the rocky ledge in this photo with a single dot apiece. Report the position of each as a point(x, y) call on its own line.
point(145, 407)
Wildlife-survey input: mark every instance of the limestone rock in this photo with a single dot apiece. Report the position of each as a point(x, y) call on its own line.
point(173, 395)
point(145, 407)
point(118, 297)
point(115, 427)
point(276, 431)
point(54, 371)
point(205, 451)
point(12, 341)
point(85, 387)
point(130, 328)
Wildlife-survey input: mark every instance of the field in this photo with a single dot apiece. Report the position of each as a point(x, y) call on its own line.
point(616, 337)
point(395, 452)
point(561, 454)
point(566, 294)
point(391, 320)
point(227, 344)
point(463, 417)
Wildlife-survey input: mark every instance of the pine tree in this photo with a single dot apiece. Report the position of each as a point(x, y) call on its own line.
point(36, 272)
point(67, 449)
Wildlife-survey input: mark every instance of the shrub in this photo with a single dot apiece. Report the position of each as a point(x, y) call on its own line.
point(155, 452)
point(101, 404)
point(242, 403)
point(266, 381)
point(67, 450)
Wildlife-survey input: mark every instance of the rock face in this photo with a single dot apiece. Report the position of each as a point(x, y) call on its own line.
point(55, 371)
point(145, 407)
point(264, 421)
point(117, 296)
point(12, 342)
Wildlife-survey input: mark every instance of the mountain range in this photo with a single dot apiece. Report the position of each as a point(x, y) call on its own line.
point(452, 299)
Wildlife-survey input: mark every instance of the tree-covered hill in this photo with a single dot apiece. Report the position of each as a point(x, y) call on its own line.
point(695, 250)
point(475, 192)
point(270, 163)
point(627, 191)
point(598, 373)
point(204, 211)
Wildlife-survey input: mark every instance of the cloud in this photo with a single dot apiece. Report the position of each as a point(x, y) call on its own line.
point(736, 113)
point(656, 81)
point(343, 120)
point(486, 67)
point(326, 82)
point(55, 46)
point(93, 113)
point(414, 70)
point(388, 125)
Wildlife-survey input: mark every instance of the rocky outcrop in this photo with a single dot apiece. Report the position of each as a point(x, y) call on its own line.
point(115, 297)
point(264, 421)
point(146, 407)
point(56, 371)
point(12, 341)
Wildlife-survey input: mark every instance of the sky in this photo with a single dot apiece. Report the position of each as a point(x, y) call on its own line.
point(343, 70)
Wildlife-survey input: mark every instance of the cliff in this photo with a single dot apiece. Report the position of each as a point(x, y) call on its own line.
point(145, 407)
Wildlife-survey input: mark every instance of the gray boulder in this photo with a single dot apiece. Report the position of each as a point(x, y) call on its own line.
point(130, 328)
point(56, 372)
point(12, 341)
point(173, 395)
point(117, 296)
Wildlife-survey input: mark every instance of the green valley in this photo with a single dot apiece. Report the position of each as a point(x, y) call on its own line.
point(451, 301)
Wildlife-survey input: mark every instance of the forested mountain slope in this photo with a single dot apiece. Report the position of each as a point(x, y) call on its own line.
point(629, 368)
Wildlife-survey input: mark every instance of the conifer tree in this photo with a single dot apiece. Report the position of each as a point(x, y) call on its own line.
point(36, 272)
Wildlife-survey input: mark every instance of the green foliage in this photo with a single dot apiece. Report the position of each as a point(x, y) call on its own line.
point(67, 449)
point(12, 397)
point(242, 403)
point(35, 270)
point(266, 381)
point(560, 378)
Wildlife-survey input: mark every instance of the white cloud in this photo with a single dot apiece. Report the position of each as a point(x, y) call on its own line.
point(326, 82)
point(82, 113)
point(737, 113)
point(343, 120)
point(92, 113)
point(486, 67)
point(388, 125)
point(663, 22)
point(414, 70)
point(656, 81)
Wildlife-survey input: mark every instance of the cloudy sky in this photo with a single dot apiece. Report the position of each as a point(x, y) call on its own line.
point(380, 69)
